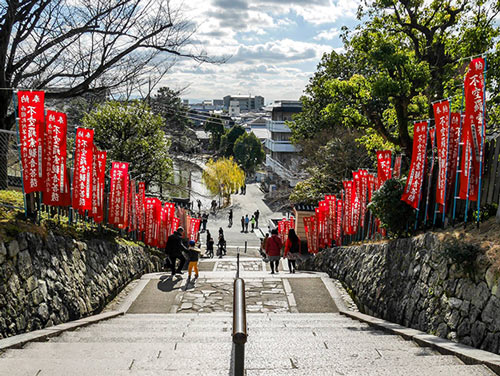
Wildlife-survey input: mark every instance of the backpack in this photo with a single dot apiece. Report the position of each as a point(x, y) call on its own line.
point(295, 247)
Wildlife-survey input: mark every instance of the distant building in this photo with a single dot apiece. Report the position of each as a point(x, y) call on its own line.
point(282, 157)
point(247, 102)
point(234, 108)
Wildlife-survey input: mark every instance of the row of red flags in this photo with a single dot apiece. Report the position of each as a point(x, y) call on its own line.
point(346, 215)
point(452, 130)
point(43, 146)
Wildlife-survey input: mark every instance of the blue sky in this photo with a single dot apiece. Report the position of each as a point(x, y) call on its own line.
point(274, 45)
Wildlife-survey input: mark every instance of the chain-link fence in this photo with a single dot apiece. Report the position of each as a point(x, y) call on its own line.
point(10, 165)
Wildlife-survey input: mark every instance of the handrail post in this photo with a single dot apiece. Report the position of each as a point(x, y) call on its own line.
point(239, 326)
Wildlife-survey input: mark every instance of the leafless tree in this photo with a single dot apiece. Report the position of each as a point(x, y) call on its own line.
point(72, 47)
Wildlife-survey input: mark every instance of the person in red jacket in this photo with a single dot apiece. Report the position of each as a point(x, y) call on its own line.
point(292, 249)
point(273, 250)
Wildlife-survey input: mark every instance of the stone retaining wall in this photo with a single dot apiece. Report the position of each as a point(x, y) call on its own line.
point(48, 281)
point(408, 282)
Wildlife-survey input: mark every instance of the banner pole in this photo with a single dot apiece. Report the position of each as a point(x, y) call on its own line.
point(14, 99)
point(429, 176)
point(420, 193)
point(446, 162)
point(457, 173)
point(482, 143)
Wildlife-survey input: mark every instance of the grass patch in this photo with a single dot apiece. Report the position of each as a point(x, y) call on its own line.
point(13, 222)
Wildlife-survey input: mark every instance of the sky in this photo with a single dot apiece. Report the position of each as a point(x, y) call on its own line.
point(273, 46)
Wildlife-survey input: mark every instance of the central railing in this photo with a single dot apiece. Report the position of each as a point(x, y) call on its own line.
point(239, 323)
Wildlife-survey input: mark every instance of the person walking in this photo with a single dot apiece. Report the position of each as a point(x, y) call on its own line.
point(292, 250)
point(252, 223)
point(204, 220)
point(273, 250)
point(193, 254)
point(174, 249)
point(230, 217)
point(247, 220)
point(221, 245)
point(210, 247)
point(256, 215)
point(199, 205)
point(242, 224)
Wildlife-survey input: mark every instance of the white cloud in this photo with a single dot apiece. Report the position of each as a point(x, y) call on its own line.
point(328, 34)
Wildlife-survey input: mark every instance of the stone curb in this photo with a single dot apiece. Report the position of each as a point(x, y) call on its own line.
point(16, 342)
point(468, 355)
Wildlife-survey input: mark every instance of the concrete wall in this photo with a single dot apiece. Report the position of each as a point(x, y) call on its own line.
point(408, 282)
point(51, 280)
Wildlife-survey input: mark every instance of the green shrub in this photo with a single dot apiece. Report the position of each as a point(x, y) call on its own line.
point(387, 206)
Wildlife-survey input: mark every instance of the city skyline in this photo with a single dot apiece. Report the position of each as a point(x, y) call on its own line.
point(273, 46)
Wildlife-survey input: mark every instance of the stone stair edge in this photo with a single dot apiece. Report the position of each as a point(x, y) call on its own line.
point(44, 334)
point(468, 355)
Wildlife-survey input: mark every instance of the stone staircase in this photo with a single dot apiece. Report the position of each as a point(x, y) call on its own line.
point(200, 344)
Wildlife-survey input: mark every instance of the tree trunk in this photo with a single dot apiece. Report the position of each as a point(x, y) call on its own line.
point(4, 151)
point(7, 121)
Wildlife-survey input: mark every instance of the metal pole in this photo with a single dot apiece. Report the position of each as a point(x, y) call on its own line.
point(420, 193)
point(246, 246)
point(429, 178)
point(20, 156)
point(458, 158)
point(239, 326)
point(446, 165)
point(482, 144)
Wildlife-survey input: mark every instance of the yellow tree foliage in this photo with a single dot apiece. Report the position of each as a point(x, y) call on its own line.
point(223, 177)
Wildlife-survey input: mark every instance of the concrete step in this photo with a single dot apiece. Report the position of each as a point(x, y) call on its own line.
point(251, 325)
point(222, 361)
point(185, 351)
point(447, 370)
point(454, 370)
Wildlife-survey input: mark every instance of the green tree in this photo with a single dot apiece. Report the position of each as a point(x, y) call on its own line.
point(228, 140)
point(131, 133)
point(223, 177)
point(215, 126)
point(248, 151)
point(168, 104)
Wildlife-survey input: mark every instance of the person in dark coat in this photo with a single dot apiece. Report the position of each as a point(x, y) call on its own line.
point(242, 224)
point(230, 217)
point(174, 250)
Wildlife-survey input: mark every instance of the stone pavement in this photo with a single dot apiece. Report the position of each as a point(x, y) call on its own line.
point(174, 327)
point(170, 330)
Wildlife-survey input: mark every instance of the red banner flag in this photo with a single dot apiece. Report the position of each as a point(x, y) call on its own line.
point(371, 186)
point(55, 156)
point(31, 125)
point(141, 207)
point(363, 197)
point(82, 174)
point(118, 194)
point(132, 207)
point(473, 129)
point(308, 230)
point(153, 212)
point(348, 207)
point(338, 231)
point(315, 238)
point(413, 186)
point(397, 166)
point(453, 154)
point(98, 194)
point(442, 120)
point(384, 164)
point(194, 228)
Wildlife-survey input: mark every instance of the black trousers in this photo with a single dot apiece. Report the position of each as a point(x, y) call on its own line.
point(173, 258)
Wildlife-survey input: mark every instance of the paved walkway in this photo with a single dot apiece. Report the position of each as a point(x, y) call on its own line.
point(171, 331)
point(173, 327)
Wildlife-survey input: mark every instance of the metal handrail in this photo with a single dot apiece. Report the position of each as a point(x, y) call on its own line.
point(239, 326)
